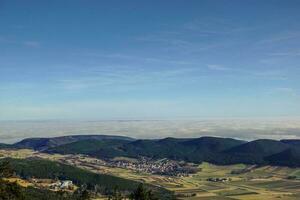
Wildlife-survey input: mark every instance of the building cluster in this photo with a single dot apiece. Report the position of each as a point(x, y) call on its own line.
point(218, 179)
point(146, 165)
point(51, 184)
point(142, 164)
point(62, 185)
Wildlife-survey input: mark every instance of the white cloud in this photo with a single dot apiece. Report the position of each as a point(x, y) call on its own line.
point(126, 78)
point(248, 129)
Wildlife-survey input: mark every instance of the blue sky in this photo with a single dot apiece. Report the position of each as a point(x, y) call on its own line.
point(149, 59)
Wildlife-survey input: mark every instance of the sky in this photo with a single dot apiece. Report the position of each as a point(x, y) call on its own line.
point(171, 59)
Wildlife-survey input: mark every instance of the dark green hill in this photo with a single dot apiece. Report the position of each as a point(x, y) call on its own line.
point(254, 152)
point(289, 157)
point(215, 144)
point(5, 146)
point(210, 149)
point(45, 143)
point(165, 148)
point(106, 148)
point(193, 150)
point(263, 147)
point(293, 142)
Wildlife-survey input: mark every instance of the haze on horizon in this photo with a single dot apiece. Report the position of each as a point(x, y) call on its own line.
point(173, 59)
point(245, 129)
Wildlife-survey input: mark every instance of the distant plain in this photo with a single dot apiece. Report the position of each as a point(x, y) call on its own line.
point(246, 129)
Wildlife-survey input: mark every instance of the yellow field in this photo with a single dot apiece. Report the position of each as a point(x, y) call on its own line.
point(19, 181)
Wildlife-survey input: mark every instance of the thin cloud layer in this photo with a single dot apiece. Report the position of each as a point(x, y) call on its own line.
point(247, 129)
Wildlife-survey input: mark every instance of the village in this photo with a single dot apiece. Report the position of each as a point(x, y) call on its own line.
point(218, 179)
point(143, 165)
point(164, 166)
point(160, 167)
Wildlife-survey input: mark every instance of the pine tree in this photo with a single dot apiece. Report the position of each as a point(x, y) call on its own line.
point(6, 170)
point(82, 193)
point(9, 191)
point(116, 195)
point(142, 194)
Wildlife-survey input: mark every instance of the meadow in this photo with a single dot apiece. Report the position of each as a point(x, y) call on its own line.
point(265, 182)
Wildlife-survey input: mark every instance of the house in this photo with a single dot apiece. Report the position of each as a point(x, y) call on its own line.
point(62, 185)
point(66, 185)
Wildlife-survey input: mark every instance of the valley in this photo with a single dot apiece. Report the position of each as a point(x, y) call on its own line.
point(244, 182)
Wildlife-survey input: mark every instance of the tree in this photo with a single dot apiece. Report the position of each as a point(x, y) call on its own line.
point(116, 195)
point(6, 170)
point(9, 191)
point(142, 194)
point(82, 193)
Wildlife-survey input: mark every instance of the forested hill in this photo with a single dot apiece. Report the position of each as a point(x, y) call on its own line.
point(210, 149)
point(45, 143)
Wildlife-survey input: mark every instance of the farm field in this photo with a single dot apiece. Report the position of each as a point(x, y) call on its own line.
point(267, 182)
point(260, 183)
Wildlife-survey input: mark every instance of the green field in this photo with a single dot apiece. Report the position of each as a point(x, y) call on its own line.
point(260, 183)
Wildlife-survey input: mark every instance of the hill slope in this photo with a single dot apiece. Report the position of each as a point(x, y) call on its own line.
point(45, 169)
point(289, 157)
point(106, 148)
point(295, 143)
point(254, 152)
point(45, 143)
point(193, 150)
point(210, 149)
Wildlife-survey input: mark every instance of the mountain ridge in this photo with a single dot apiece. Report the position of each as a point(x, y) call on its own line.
point(216, 150)
point(41, 144)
